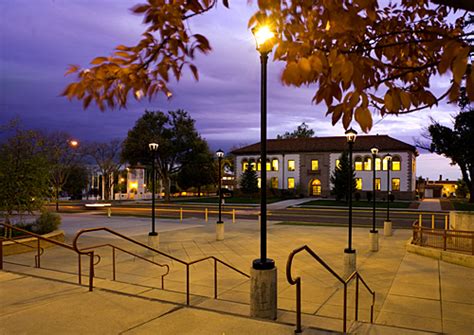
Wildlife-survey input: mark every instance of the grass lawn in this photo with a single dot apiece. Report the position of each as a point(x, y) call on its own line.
point(231, 200)
point(330, 203)
point(462, 205)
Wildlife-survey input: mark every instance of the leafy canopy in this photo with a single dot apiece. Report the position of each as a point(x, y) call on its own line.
point(362, 56)
point(302, 131)
point(249, 182)
point(340, 178)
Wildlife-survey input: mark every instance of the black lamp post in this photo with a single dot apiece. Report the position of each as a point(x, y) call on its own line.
point(351, 135)
point(388, 157)
point(264, 38)
point(153, 148)
point(374, 151)
point(220, 155)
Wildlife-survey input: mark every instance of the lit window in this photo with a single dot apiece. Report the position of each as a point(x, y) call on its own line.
point(275, 164)
point(395, 184)
point(274, 182)
point(259, 182)
point(358, 164)
point(269, 165)
point(291, 183)
point(245, 165)
point(314, 165)
point(377, 184)
point(396, 163)
point(358, 183)
point(259, 165)
point(338, 163)
point(368, 164)
point(253, 165)
point(291, 165)
point(378, 163)
point(385, 164)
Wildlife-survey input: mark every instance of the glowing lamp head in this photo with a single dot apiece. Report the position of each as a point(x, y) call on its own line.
point(153, 147)
point(73, 143)
point(219, 153)
point(374, 150)
point(264, 37)
point(351, 135)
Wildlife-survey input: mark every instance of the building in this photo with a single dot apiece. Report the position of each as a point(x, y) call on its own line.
point(306, 164)
point(438, 188)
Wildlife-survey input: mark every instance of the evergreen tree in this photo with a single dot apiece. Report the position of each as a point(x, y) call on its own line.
point(340, 178)
point(249, 182)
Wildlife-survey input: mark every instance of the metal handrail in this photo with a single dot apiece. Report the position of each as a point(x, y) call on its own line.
point(297, 281)
point(187, 264)
point(63, 245)
point(131, 254)
point(39, 248)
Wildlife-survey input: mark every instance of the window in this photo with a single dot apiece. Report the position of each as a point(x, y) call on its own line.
point(396, 163)
point(378, 164)
point(291, 165)
point(259, 165)
point(259, 182)
point(367, 164)
point(269, 165)
point(358, 183)
point(338, 163)
point(274, 182)
point(385, 164)
point(291, 183)
point(253, 165)
point(274, 164)
point(314, 165)
point(395, 184)
point(358, 164)
point(377, 184)
point(315, 187)
point(245, 165)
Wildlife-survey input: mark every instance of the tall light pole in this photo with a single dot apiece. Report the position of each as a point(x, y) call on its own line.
point(220, 155)
point(154, 149)
point(263, 290)
point(373, 234)
point(349, 253)
point(387, 225)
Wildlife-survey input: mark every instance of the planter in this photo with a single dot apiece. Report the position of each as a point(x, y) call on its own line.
point(29, 244)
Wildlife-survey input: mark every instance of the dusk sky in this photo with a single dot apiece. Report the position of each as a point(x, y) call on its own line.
point(40, 38)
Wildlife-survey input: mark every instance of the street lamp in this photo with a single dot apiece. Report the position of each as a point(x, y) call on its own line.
point(220, 155)
point(349, 253)
point(374, 245)
point(154, 149)
point(263, 290)
point(388, 224)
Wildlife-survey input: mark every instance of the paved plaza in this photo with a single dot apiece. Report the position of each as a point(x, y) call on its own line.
point(414, 294)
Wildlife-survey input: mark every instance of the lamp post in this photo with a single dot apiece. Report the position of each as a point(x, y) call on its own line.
point(387, 225)
point(374, 234)
point(153, 148)
point(220, 155)
point(349, 253)
point(263, 291)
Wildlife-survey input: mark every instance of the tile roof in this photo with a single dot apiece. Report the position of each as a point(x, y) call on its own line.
point(327, 144)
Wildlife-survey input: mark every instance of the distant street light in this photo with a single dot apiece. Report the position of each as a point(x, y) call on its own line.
point(220, 155)
point(374, 232)
point(263, 282)
point(154, 149)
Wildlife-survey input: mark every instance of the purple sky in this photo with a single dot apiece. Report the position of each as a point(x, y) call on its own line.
point(38, 39)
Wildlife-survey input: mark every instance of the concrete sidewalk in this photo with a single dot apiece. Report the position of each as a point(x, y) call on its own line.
point(413, 293)
point(430, 205)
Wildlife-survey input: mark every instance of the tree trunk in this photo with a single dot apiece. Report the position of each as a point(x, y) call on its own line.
point(167, 186)
point(199, 191)
point(57, 199)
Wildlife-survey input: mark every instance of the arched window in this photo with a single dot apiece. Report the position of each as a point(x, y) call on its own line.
point(245, 164)
point(385, 163)
point(358, 163)
point(253, 164)
point(275, 164)
point(396, 163)
point(378, 163)
point(269, 165)
point(315, 187)
point(367, 164)
point(259, 164)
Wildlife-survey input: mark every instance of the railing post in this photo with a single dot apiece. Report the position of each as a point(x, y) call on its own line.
point(420, 220)
point(91, 271)
point(444, 240)
point(344, 313)
point(79, 272)
point(38, 254)
point(113, 262)
point(233, 215)
point(432, 221)
point(421, 236)
point(357, 298)
point(181, 215)
point(298, 306)
point(215, 278)
point(206, 216)
point(187, 284)
point(1, 253)
point(446, 225)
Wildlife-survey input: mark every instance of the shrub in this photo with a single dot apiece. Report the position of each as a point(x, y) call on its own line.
point(47, 222)
point(369, 196)
point(357, 196)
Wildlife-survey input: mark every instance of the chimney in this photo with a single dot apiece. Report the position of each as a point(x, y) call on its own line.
point(440, 177)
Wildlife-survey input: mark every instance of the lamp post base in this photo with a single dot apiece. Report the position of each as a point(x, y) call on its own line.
point(263, 293)
point(349, 262)
point(153, 242)
point(219, 231)
point(387, 228)
point(374, 240)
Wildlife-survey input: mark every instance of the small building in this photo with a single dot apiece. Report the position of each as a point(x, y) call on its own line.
point(440, 188)
point(306, 164)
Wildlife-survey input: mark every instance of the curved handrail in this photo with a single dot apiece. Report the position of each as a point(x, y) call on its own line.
point(297, 281)
point(131, 254)
point(187, 264)
point(63, 245)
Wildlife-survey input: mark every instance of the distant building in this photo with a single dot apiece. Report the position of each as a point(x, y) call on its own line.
point(440, 188)
point(306, 164)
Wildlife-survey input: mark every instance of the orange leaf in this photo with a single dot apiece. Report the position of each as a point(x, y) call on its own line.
point(363, 118)
point(99, 60)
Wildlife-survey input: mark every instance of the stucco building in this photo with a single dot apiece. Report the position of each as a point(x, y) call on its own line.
point(306, 164)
